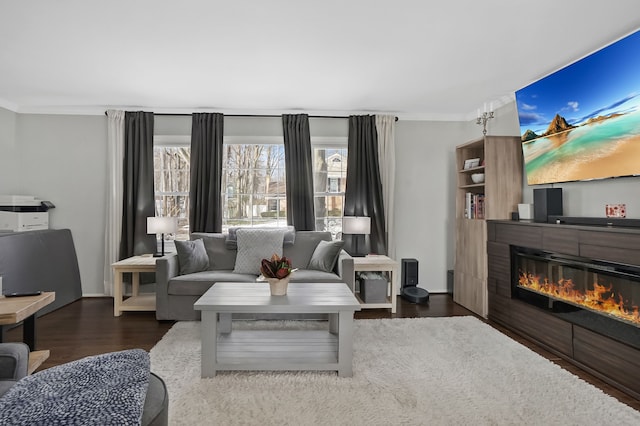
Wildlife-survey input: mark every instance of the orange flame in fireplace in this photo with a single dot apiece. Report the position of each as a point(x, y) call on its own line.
point(601, 299)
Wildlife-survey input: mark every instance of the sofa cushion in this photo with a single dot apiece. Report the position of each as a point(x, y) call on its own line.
point(198, 283)
point(325, 255)
point(192, 256)
point(255, 244)
point(313, 276)
point(220, 258)
point(306, 243)
point(232, 236)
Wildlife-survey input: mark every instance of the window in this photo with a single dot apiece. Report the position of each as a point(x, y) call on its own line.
point(329, 179)
point(253, 185)
point(253, 182)
point(171, 173)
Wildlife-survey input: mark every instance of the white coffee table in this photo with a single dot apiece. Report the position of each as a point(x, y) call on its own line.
point(296, 349)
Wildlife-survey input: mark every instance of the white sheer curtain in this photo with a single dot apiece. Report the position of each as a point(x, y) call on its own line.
point(386, 129)
point(113, 226)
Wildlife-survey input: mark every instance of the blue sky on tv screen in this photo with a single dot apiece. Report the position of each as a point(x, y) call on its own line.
point(603, 83)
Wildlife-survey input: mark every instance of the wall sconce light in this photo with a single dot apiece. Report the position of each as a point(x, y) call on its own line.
point(485, 117)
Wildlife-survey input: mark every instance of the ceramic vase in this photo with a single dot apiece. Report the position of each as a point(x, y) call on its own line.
point(278, 286)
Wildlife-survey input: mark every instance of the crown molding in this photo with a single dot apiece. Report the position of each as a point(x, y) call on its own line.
point(100, 110)
point(8, 105)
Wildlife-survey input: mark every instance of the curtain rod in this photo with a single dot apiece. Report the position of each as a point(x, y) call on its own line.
point(249, 115)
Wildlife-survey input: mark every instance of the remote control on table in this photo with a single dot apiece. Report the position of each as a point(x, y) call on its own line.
point(31, 293)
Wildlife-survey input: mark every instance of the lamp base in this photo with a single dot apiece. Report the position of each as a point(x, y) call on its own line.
point(158, 254)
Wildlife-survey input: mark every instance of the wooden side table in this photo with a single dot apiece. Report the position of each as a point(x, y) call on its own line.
point(24, 308)
point(379, 263)
point(137, 301)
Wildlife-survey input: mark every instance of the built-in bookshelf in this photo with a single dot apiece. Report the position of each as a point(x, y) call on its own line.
point(499, 158)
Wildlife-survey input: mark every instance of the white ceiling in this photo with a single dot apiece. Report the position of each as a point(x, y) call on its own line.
point(414, 58)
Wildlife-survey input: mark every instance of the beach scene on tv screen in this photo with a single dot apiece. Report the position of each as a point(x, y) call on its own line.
point(583, 122)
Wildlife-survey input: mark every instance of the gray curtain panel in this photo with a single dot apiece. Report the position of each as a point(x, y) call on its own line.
point(299, 171)
point(205, 204)
point(138, 197)
point(363, 193)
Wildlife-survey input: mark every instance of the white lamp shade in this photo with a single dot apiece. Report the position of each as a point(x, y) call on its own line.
point(356, 225)
point(162, 225)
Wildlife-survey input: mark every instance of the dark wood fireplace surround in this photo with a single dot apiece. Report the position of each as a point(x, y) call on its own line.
point(614, 362)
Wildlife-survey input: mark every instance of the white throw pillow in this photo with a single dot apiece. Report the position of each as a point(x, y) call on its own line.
point(255, 245)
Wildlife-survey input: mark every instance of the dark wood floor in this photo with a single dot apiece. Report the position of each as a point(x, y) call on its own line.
point(88, 327)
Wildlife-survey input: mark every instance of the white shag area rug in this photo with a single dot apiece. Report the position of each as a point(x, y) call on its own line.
point(422, 371)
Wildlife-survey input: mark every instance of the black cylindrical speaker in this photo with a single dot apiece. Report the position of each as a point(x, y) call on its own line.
point(546, 202)
point(409, 272)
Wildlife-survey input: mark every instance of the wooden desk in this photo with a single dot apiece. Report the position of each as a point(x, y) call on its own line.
point(379, 263)
point(16, 309)
point(137, 302)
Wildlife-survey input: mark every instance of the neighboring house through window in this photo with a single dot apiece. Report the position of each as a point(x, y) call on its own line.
point(329, 177)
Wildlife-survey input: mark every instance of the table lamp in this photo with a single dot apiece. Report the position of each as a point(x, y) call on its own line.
point(161, 225)
point(356, 226)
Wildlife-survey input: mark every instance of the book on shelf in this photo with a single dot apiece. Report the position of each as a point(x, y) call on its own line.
point(474, 206)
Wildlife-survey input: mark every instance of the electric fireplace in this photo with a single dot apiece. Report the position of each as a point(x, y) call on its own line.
point(572, 289)
point(601, 296)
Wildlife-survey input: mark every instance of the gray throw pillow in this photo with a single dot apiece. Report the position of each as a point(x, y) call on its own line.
point(232, 237)
point(192, 256)
point(255, 244)
point(325, 255)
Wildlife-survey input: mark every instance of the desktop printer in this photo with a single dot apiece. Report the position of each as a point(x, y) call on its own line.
point(23, 213)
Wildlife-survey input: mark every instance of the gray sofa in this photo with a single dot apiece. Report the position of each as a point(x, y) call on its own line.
point(176, 294)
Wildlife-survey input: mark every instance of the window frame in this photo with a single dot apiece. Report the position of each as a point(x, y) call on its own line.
point(317, 142)
point(330, 142)
point(170, 141)
point(253, 140)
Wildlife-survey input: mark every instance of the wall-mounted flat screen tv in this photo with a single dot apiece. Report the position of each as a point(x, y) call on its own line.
point(583, 121)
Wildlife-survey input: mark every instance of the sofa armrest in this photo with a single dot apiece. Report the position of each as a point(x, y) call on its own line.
point(14, 361)
point(167, 267)
point(344, 268)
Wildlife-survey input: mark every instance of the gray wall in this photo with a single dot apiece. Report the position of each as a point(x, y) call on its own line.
point(425, 196)
point(62, 158)
point(251, 126)
point(9, 154)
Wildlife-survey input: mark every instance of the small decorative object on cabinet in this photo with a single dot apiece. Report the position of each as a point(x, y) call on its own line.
point(494, 197)
point(471, 163)
point(616, 210)
point(477, 177)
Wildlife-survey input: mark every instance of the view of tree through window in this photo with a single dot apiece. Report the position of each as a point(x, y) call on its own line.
point(171, 181)
point(253, 186)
